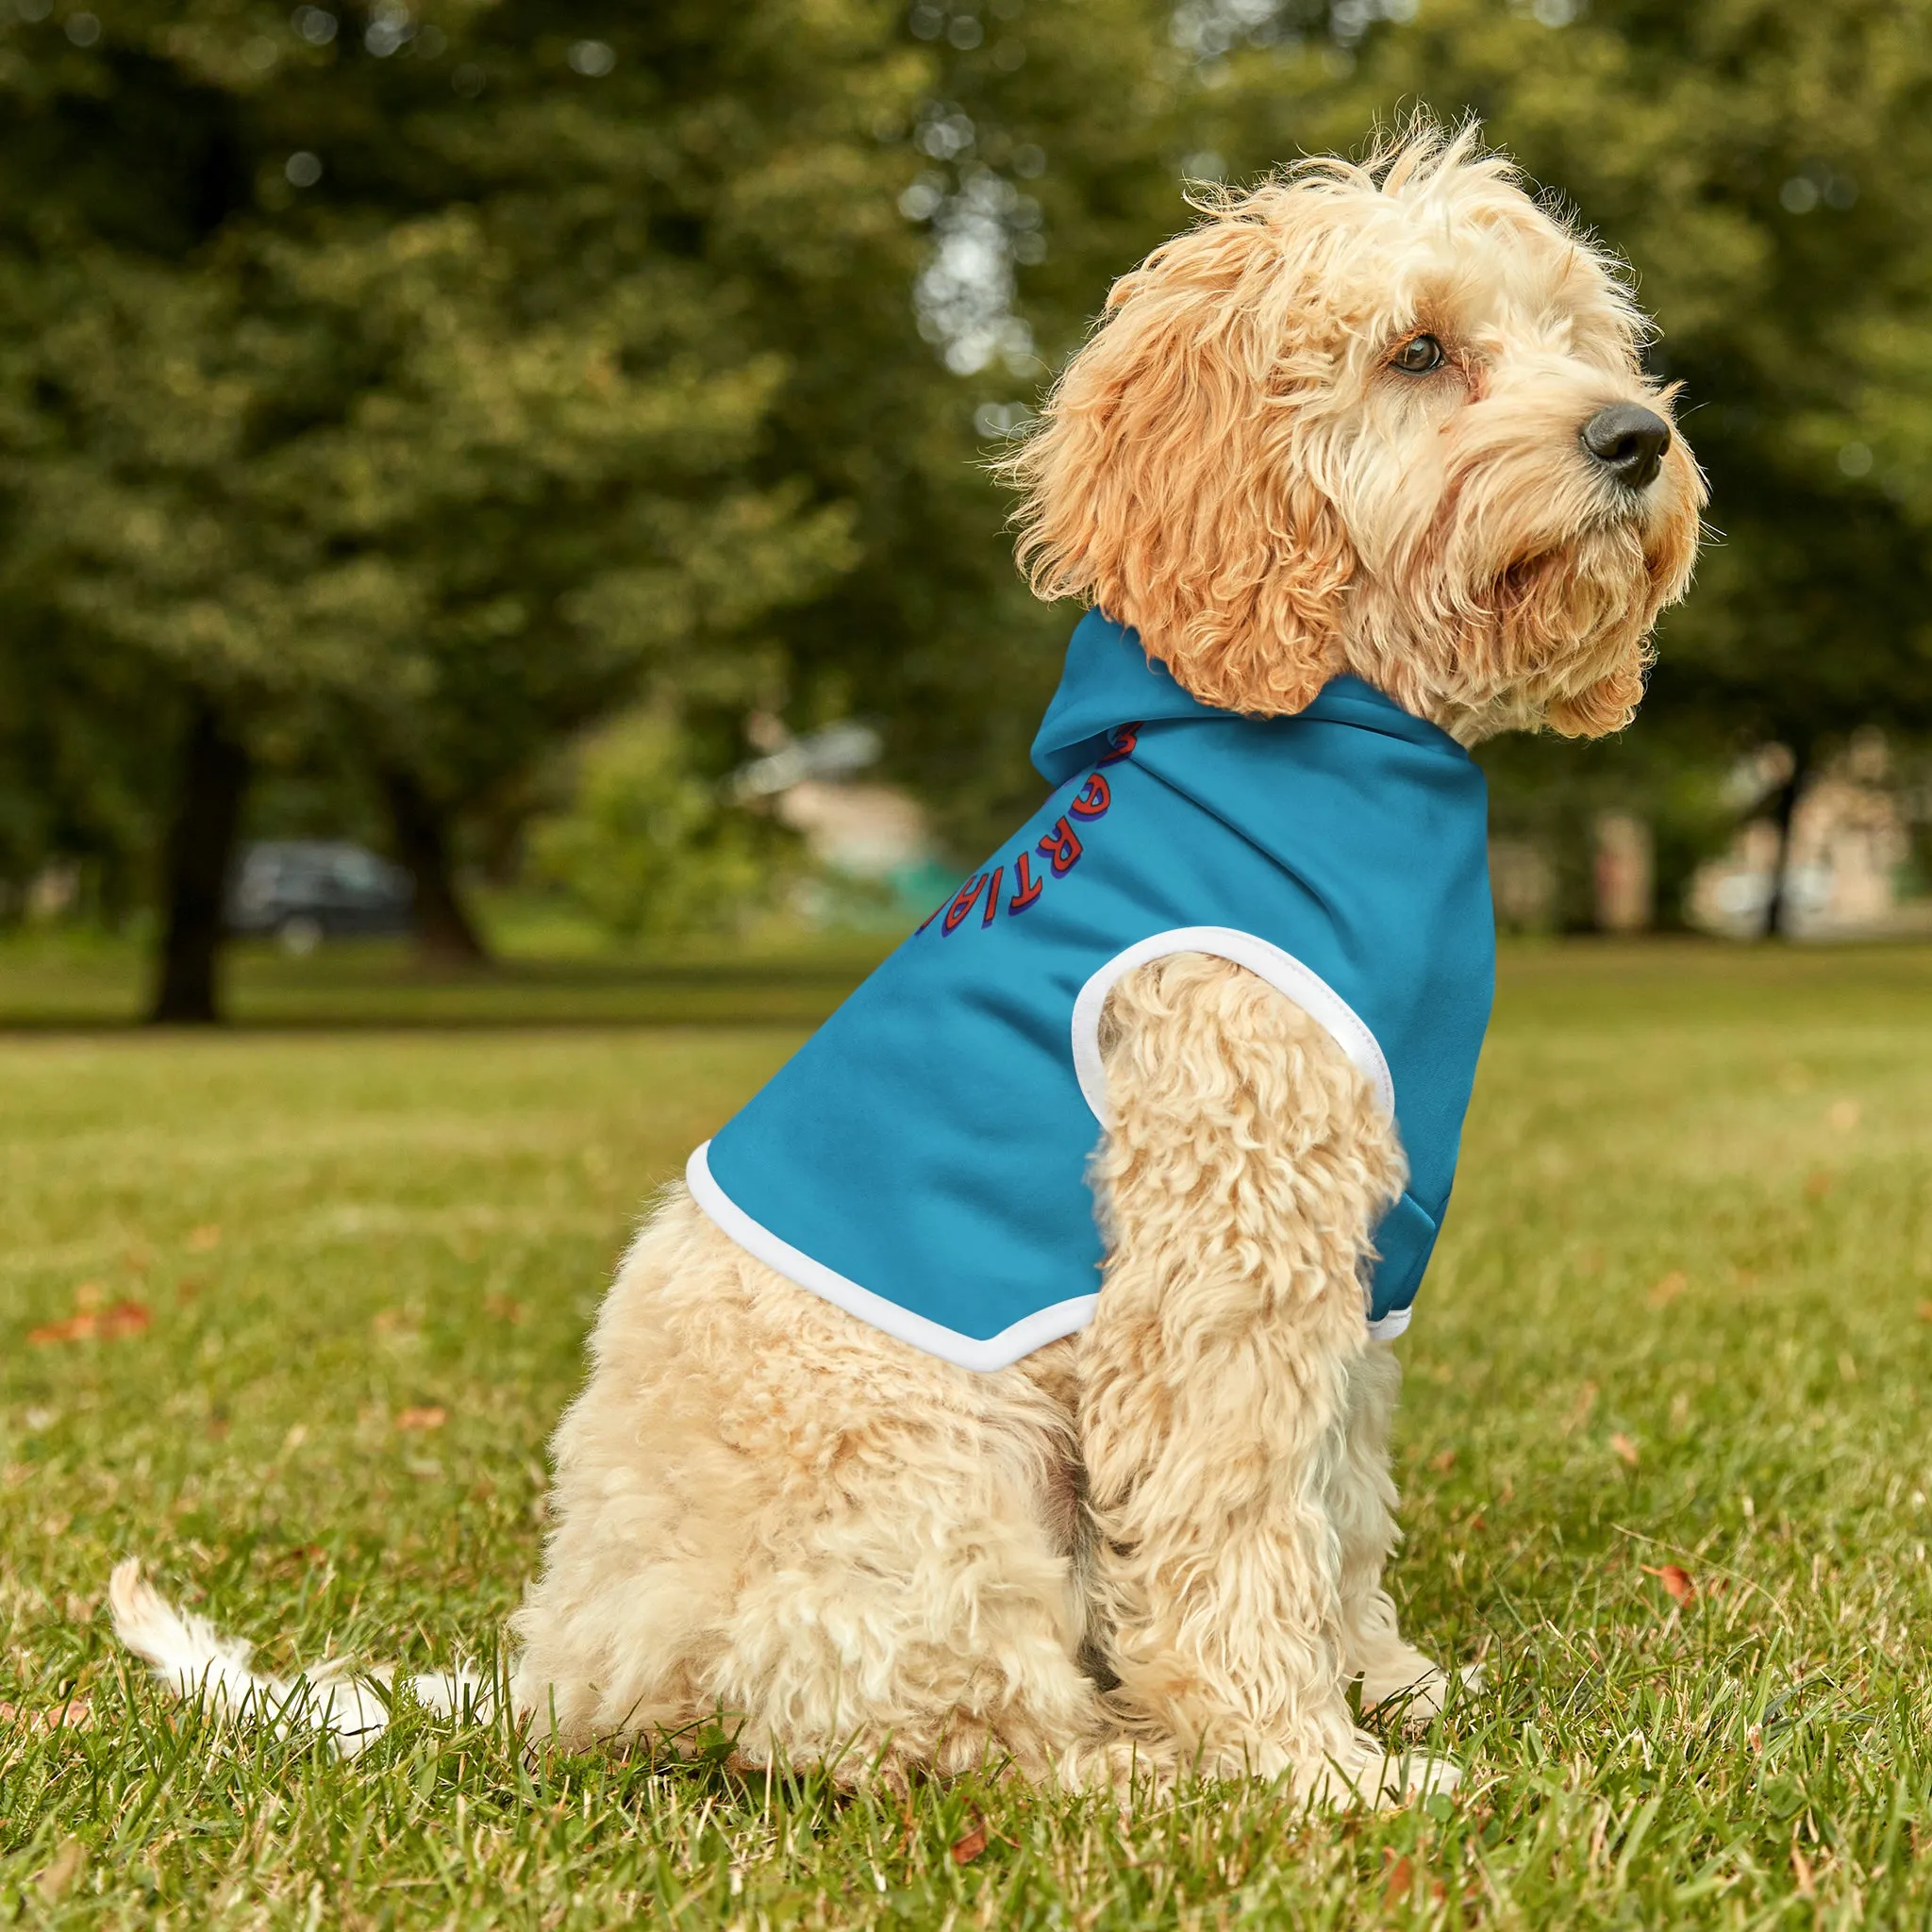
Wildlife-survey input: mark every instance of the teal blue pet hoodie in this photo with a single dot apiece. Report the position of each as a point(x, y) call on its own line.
point(922, 1160)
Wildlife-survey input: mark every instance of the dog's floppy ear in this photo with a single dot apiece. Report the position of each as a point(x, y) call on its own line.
point(1167, 481)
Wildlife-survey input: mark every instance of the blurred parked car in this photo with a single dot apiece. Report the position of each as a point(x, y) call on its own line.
point(304, 891)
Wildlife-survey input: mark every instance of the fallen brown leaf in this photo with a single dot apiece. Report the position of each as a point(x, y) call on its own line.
point(124, 1317)
point(427, 1417)
point(204, 1239)
point(1399, 1882)
point(1443, 1463)
point(968, 1848)
point(56, 1877)
point(77, 1714)
point(76, 1328)
point(1625, 1447)
point(1669, 1289)
point(1675, 1580)
point(504, 1308)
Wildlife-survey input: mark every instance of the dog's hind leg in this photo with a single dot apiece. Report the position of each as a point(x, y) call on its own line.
point(1243, 1173)
point(771, 1518)
point(1362, 1504)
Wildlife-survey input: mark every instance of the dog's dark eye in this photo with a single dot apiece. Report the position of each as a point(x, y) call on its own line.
point(1418, 355)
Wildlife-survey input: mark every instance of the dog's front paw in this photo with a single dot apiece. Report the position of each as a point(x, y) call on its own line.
point(1412, 1690)
point(1418, 1775)
point(1369, 1772)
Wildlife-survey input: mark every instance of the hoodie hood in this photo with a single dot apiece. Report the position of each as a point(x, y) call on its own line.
point(1109, 680)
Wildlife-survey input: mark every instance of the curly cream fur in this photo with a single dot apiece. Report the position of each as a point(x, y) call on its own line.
point(1246, 1168)
point(771, 1515)
point(1359, 1495)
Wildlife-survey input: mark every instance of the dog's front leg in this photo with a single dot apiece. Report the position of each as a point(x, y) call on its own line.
point(1362, 1501)
point(1243, 1170)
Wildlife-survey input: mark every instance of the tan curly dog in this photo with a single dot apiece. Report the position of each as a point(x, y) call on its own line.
point(1355, 421)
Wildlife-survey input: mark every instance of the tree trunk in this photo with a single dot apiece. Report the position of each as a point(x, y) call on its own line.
point(445, 935)
point(1777, 907)
point(199, 855)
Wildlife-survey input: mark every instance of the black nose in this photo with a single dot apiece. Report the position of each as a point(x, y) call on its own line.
point(1630, 441)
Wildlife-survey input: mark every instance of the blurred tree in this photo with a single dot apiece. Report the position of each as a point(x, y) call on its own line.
point(369, 374)
point(1552, 795)
point(78, 764)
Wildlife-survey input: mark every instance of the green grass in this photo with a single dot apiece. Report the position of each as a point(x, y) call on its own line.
point(63, 980)
point(1678, 1318)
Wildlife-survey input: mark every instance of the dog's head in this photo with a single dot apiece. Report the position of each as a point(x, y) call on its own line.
point(1386, 419)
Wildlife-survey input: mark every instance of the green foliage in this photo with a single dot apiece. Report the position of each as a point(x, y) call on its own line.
point(428, 396)
point(1668, 1228)
point(424, 388)
point(649, 847)
point(450, 445)
point(80, 765)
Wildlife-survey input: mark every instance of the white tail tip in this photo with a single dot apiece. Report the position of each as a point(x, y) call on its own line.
point(194, 1660)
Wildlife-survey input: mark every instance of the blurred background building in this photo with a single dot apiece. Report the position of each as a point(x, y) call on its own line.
point(545, 449)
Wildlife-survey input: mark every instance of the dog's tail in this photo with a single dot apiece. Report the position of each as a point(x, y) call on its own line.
point(194, 1660)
